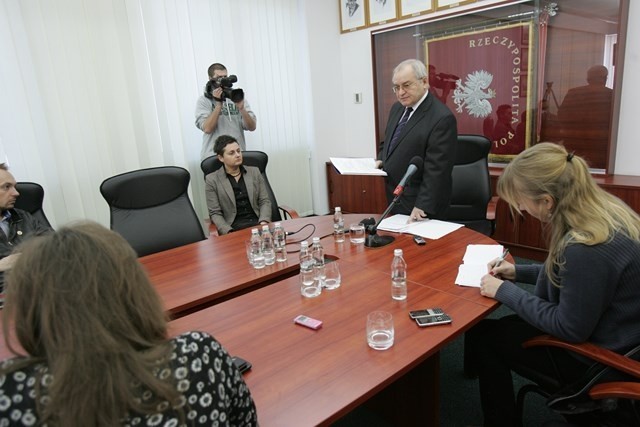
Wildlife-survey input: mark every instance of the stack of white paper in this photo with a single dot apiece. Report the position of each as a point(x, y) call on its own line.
point(356, 166)
point(428, 228)
point(475, 262)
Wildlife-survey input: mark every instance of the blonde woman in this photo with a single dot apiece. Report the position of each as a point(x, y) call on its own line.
point(588, 289)
point(97, 353)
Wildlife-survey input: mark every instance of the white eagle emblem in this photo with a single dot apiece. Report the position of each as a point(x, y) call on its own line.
point(474, 93)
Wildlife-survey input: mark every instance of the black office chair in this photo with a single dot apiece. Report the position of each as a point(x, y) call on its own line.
point(471, 201)
point(608, 393)
point(259, 160)
point(151, 209)
point(30, 200)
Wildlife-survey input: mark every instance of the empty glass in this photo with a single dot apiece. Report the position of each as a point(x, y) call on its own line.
point(356, 234)
point(331, 275)
point(380, 331)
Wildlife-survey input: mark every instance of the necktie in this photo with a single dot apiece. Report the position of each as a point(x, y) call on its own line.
point(398, 130)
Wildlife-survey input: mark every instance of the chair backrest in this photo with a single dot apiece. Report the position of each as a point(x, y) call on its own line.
point(30, 200)
point(258, 159)
point(471, 189)
point(151, 209)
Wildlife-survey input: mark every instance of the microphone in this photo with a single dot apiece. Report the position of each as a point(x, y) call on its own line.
point(373, 240)
point(415, 165)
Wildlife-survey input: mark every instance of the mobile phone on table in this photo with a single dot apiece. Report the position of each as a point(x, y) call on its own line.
point(242, 365)
point(440, 319)
point(426, 312)
point(419, 240)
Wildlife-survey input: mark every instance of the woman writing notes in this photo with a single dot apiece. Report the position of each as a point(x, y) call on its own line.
point(97, 353)
point(588, 289)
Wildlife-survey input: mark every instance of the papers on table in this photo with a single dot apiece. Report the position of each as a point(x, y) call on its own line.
point(475, 262)
point(356, 166)
point(429, 228)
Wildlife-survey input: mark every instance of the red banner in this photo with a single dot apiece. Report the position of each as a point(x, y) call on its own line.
point(484, 78)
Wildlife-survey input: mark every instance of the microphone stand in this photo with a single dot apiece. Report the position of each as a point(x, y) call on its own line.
point(373, 240)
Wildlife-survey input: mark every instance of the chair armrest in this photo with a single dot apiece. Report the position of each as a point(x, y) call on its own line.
point(622, 390)
point(491, 208)
point(288, 211)
point(591, 351)
point(213, 230)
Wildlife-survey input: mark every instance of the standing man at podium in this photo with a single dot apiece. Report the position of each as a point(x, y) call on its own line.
point(419, 125)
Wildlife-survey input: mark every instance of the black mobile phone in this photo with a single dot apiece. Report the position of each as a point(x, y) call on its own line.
point(426, 312)
point(441, 319)
point(419, 240)
point(242, 365)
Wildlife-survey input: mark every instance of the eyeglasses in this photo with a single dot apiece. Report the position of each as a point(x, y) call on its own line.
point(404, 86)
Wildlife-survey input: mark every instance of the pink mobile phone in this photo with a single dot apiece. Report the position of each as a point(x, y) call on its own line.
point(308, 322)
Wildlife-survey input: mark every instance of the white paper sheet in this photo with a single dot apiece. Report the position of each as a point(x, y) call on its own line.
point(356, 166)
point(475, 261)
point(429, 228)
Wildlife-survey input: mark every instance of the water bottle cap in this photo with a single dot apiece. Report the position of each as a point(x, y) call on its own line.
point(397, 252)
point(265, 228)
point(278, 224)
point(304, 244)
point(254, 231)
point(316, 240)
point(338, 209)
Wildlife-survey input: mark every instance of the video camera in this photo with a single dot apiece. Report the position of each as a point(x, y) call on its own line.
point(226, 83)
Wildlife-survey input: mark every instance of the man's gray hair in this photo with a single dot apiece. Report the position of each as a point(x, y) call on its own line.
point(419, 70)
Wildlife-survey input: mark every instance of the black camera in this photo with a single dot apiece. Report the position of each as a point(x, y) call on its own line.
point(226, 83)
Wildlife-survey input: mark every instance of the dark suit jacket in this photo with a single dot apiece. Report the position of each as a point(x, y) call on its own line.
point(430, 133)
point(221, 199)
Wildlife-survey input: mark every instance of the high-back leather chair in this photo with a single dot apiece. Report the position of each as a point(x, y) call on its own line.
point(258, 159)
point(30, 200)
point(471, 191)
point(151, 209)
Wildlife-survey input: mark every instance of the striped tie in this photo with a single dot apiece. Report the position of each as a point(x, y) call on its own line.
point(398, 130)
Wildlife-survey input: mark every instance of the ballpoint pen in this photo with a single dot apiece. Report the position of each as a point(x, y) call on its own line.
point(502, 257)
point(497, 264)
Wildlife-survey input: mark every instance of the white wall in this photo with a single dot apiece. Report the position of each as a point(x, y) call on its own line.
point(347, 129)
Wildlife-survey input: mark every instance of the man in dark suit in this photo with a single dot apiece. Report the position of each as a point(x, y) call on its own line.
point(419, 125)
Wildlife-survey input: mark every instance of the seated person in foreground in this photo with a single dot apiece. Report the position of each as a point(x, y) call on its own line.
point(237, 196)
point(16, 225)
point(94, 332)
point(586, 290)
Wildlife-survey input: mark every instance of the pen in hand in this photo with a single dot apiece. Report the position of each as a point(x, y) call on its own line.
point(502, 257)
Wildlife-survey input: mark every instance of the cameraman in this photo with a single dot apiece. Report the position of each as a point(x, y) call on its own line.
point(236, 112)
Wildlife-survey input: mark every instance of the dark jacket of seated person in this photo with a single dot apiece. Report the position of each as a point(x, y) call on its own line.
point(95, 346)
point(237, 195)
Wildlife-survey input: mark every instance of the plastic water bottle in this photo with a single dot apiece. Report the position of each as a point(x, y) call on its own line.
point(256, 249)
point(306, 260)
point(268, 248)
point(279, 242)
point(317, 252)
point(398, 276)
point(338, 225)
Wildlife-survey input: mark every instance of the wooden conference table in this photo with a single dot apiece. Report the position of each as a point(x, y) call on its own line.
point(306, 377)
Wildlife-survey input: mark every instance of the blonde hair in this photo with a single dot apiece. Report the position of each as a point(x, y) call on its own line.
point(583, 212)
point(82, 305)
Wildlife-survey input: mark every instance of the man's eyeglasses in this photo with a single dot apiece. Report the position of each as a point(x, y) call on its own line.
point(404, 86)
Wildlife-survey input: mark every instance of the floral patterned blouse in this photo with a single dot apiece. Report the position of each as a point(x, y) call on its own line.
point(213, 389)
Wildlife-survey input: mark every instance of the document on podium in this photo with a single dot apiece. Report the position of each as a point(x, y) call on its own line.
point(428, 228)
point(474, 264)
point(356, 166)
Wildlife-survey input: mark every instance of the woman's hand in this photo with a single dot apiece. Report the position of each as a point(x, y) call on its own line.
point(489, 285)
point(503, 270)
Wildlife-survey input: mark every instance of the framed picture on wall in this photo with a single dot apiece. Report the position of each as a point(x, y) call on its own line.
point(352, 15)
point(447, 4)
point(410, 8)
point(382, 11)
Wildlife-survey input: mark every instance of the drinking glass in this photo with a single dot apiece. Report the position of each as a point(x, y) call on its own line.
point(309, 286)
point(356, 234)
point(380, 330)
point(332, 275)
